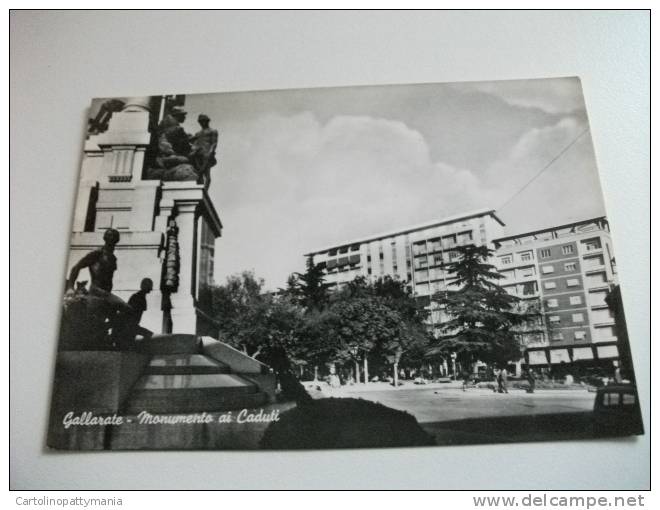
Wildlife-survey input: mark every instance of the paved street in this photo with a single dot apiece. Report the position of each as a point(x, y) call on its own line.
point(478, 415)
point(447, 404)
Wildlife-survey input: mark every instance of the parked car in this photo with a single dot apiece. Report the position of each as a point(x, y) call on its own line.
point(617, 411)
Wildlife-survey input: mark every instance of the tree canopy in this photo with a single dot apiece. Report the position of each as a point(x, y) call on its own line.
point(482, 316)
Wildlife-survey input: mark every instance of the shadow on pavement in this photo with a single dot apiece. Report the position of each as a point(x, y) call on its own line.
point(509, 429)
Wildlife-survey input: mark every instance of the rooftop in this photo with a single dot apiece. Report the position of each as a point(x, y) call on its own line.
point(413, 228)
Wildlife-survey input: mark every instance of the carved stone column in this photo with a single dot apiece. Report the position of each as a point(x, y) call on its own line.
point(184, 318)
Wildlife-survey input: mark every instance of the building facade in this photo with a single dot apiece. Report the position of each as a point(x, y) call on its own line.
point(570, 270)
point(564, 272)
point(414, 254)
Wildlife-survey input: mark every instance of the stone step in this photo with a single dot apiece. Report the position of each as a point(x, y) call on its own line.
point(170, 344)
point(171, 364)
point(188, 393)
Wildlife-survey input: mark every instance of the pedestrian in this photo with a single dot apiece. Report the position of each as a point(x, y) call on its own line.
point(502, 381)
point(531, 378)
point(466, 379)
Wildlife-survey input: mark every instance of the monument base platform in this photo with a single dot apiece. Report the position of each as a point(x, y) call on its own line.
point(131, 400)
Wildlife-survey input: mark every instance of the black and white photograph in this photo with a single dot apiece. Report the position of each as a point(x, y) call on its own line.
point(412, 265)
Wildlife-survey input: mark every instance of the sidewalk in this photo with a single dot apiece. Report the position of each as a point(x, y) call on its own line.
point(320, 389)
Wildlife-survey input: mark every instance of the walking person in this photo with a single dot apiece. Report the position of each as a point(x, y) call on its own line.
point(466, 379)
point(503, 380)
point(531, 378)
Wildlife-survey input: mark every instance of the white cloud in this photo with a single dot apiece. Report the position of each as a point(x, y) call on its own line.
point(325, 183)
point(557, 96)
point(287, 185)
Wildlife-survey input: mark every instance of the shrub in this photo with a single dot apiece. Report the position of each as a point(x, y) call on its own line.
point(344, 423)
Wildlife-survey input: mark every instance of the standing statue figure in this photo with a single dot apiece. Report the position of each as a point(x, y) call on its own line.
point(204, 144)
point(183, 157)
point(89, 314)
point(102, 265)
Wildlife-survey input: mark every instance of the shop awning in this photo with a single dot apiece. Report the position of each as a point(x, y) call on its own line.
point(607, 351)
point(537, 358)
point(582, 353)
point(559, 356)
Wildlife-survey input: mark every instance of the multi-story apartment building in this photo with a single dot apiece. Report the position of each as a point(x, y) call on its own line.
point(570, 269)
point(414, 254)
point(565, 271)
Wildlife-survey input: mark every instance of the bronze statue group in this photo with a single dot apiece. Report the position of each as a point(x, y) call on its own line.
point(96, 319)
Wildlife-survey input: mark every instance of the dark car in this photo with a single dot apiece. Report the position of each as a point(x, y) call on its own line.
point(617, 411)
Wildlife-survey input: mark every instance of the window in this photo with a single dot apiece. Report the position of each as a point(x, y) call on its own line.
point(526, 256)
point(580, 335)
point(570, 266)
point(576, 300)
point(592, 244)
point(526, 272)
point(547, 269)
point(453, 255)
point(557, 335)
point(567, 249)
point(628, 399)
point(550, 285)
point(610, 399)
point(554, 318)
point(572, 282)
point(545, 253)
point(507, 259)
point(464, 237)
point(578, 317)
point(552, 303)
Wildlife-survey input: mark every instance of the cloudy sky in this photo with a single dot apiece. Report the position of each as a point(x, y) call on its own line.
point(302, 169)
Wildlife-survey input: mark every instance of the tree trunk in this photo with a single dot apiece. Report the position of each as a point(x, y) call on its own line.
point(366, 370)
point(316, 373)
point(396, 375)
point(357, 372)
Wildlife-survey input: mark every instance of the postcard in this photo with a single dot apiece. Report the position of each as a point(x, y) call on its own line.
point(353, 267)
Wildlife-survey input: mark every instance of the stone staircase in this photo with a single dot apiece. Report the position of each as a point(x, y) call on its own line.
point(181, 378)
point(166, 375)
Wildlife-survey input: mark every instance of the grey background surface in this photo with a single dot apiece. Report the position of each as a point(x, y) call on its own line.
point(59, 60)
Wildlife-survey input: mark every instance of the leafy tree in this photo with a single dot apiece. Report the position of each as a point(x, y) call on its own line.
point(483, 316)
point(311, 288)
point(262, 325)
point(379, 318)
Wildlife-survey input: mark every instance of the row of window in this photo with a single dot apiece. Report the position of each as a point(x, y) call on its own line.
point(343, 249)
point(442, 243)
point(568, 268)
point(545, 253)
point(570, 282)
point(567, 249)
point(576, 318)
point(554, 303)
point(577, 335)
point(525, 256)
